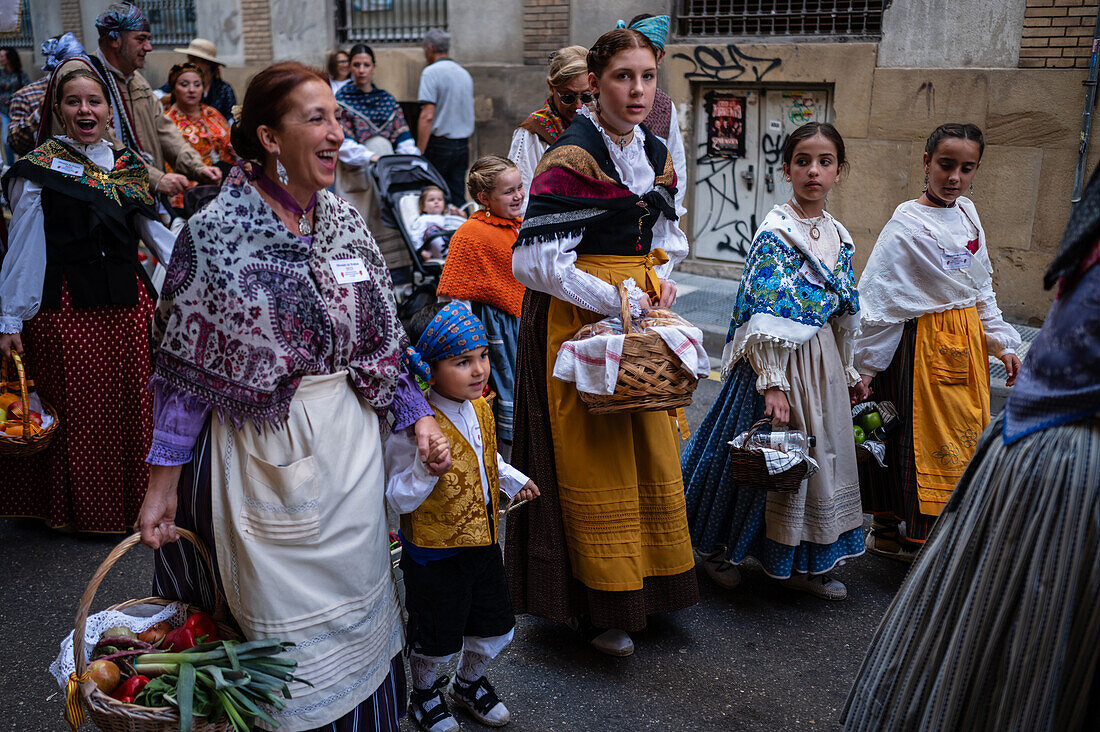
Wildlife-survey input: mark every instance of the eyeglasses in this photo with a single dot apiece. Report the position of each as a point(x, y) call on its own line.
point(569, 98)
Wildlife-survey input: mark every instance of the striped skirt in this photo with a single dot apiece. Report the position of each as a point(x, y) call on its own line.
point(996, 627)
point(180, 574)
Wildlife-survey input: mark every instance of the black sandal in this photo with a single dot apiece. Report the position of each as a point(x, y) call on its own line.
point(481, 700)
point(438, 717)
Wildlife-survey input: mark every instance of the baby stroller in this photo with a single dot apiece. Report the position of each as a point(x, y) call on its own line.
point(398, 180)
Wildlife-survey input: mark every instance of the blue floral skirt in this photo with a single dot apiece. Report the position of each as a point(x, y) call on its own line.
point(723, 514)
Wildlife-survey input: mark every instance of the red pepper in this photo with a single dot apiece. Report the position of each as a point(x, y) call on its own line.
point(179, 639)
point(203, 626)
point(128, 690)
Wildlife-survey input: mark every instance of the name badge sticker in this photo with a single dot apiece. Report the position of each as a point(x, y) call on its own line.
point(955, 260)
point(811, 275)
point(347, 271)
point(66, 167)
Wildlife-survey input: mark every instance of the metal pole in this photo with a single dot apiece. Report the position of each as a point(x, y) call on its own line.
point(1086, 116)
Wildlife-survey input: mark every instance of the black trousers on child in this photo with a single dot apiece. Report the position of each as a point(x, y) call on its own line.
point(464, 594)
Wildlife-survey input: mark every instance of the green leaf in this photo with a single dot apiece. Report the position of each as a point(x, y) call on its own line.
point(185, 692)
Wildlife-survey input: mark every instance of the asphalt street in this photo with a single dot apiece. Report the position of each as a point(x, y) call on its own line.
point(759, 657)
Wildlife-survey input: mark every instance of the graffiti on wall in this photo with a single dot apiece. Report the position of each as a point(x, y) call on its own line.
point(729, 63)
point(718, 210)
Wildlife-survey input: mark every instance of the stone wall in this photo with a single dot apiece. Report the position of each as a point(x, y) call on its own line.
point(1057, 34)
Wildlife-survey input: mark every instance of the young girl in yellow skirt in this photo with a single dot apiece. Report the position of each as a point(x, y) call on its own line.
point(929, 319)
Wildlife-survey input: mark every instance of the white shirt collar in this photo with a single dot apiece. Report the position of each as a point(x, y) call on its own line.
point(101, 153)
point(449, 406)
point(112, 67)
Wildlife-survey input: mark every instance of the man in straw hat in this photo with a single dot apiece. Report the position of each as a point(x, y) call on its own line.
point(137, 117)
point(219, 94)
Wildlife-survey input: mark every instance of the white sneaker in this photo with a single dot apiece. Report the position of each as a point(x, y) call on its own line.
point(613, 642)
point(718, 568)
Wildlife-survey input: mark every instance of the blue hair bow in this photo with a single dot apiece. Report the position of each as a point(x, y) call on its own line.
point(654, 28)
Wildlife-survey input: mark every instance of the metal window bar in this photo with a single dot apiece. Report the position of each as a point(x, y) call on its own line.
point(389, 21)
point(24, 37)
point(846, 18)
point(171, 21)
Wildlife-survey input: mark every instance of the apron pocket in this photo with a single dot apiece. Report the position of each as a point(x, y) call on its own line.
point(281, 503)
point(951, 359)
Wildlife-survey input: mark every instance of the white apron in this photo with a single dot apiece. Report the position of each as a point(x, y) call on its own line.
point(302, 546)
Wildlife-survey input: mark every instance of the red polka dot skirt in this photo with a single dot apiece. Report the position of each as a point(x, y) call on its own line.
point(93, 366)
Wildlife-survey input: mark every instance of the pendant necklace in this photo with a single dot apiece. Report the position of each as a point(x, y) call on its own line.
point(269, 187)
point(621, 142)
point(815, 233)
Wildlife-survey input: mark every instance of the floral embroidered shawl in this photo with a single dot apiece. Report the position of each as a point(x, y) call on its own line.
point(248, 308)
point(208, 135)
point(545, 124)
point(786, 293)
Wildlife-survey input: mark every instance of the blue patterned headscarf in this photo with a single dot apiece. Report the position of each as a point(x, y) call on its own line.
point(120, 17)
point(453, 330)
point(655, 28)
point(56, 50)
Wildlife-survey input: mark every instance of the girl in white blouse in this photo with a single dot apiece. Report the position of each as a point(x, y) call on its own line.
point(788, 356)
point(929, 319)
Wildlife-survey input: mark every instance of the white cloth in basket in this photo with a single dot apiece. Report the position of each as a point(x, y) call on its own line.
point(593, 363)
point(136, 617)
point(778, 461)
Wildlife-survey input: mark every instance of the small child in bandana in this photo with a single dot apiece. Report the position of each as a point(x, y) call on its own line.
point(456, 594)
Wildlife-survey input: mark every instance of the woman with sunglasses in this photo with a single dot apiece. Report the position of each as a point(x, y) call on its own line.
point(569, 89)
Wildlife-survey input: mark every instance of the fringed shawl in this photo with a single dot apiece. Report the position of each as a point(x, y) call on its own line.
point(576, 185)
point(786, 293)
point(371, 114)
point(248, 308)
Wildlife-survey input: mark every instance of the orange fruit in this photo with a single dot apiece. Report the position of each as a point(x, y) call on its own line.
point(14, 430)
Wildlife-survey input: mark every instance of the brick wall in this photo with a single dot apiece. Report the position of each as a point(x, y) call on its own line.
point(70, 17)
point(1057, 34)
point(545, 29)
point(256, 15)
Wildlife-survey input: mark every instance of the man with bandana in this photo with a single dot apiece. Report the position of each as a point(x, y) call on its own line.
point(138, 120)
point(25, 112)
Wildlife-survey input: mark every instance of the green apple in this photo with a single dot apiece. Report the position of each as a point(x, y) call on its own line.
point(870, 421)
point(857, 432)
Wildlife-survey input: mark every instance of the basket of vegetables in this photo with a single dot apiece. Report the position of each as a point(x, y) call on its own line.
point(27, 424)
point(195, 676)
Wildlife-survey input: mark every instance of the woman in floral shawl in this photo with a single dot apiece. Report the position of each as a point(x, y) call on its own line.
point(788, 356)
point(368, 112)
point(277, 375)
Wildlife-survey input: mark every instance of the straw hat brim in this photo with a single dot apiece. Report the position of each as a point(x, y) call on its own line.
point(199, 54)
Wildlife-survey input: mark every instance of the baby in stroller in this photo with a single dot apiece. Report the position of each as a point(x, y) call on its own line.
point(431, 231)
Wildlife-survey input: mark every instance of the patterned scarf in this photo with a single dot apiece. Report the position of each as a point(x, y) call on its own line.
point(56, 50)
point(248, 308)
point(453, 331)
point(655, 28)
point(786, 294)
point(546, 124)
point(120, 17)
point(371, 114)
point(126, 185)
point(576, 185)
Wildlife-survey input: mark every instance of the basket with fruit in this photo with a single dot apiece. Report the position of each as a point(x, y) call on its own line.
point(184, 673)
point(873, 423)
point(27, 424)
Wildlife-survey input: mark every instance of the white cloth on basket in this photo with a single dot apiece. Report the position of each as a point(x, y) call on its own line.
point(137, 618)
point(778, 461)
point(593, 363)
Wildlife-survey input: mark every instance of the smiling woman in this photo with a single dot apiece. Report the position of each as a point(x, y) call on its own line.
point(278, 315)
point(76, 302)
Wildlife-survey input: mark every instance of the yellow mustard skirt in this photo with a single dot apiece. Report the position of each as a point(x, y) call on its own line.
point(950, 401)
point(619, 479)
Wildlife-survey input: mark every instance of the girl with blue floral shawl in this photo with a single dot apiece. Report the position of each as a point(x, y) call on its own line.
point(788, 356)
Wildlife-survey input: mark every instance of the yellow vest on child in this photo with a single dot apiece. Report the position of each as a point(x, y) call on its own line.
point(455, 515)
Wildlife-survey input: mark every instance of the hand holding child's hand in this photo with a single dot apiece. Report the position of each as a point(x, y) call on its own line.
point(528, 492)
point(432, 447)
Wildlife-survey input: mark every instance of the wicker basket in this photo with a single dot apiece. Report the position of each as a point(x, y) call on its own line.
point(110, 714)
point(650, 378)
point(750, 469)
point(34, 438)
